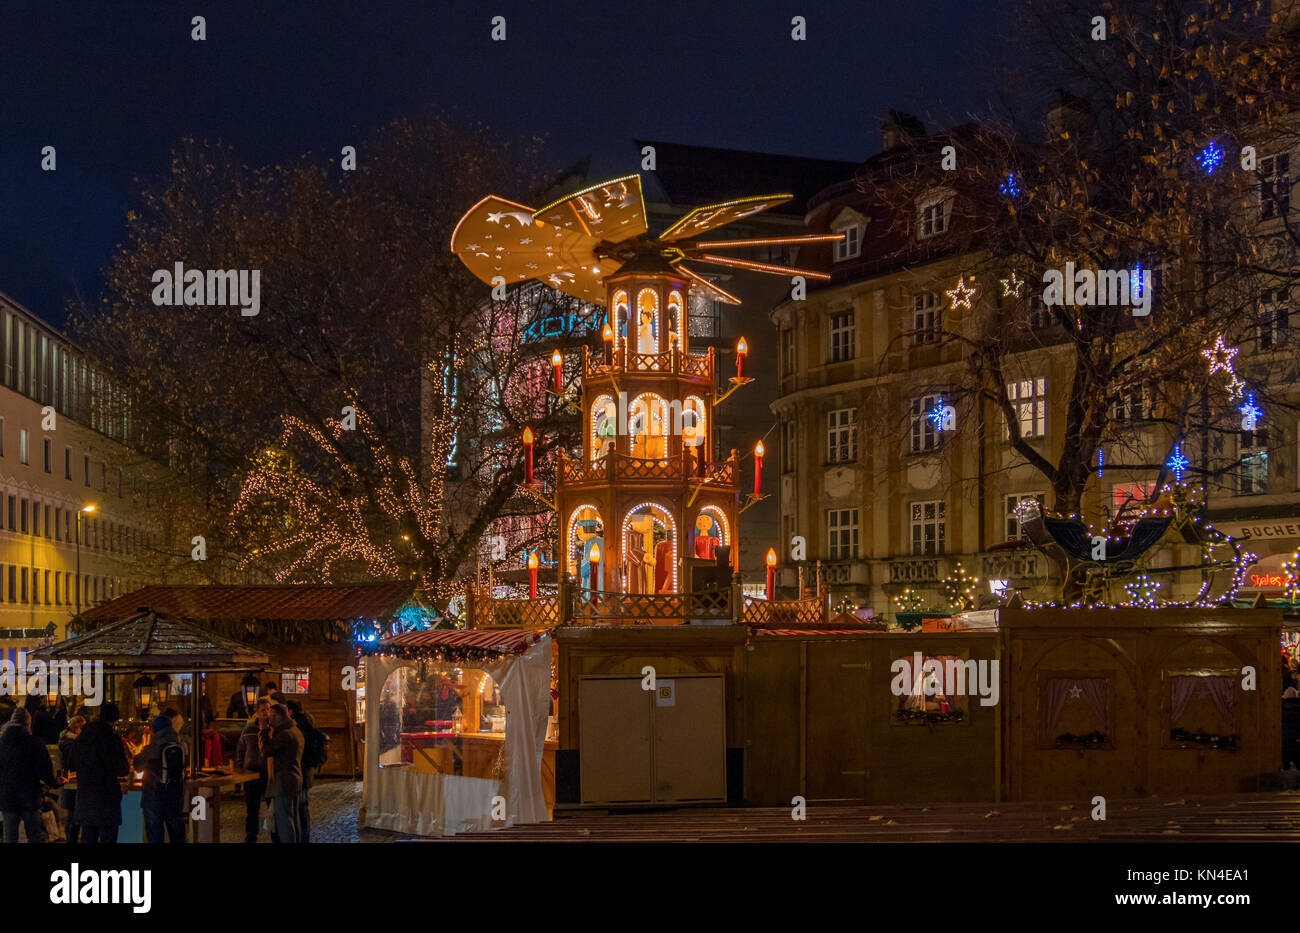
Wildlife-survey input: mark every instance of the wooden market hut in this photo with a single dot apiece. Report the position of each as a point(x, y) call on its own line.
point(309, 633)
point(147, 643)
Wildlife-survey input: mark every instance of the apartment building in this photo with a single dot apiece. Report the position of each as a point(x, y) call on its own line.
point(890, 495)
point(72, 510)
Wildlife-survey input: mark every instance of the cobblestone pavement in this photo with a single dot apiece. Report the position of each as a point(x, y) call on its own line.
point(334, 806)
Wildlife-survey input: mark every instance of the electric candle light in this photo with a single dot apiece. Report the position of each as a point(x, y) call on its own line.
point(742, 353)
point(608, 334)
point(528, 453)
point(532, 575)
point(758, 468)
point(557, 366)
point(771, 573)
point(595, 567)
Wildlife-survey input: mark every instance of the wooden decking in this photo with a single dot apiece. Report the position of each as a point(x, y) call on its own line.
point(1272, 817)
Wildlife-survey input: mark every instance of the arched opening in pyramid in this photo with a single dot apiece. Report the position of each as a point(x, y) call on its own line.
point(586, 531)
point(649, 549)
point(710, 531)
point(648, 426)
point(603, 421)
point(647, 321)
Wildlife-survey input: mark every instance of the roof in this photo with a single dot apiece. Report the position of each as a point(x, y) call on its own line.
point(282, 603)
point(147, 641)
point(499, 641)
point(695, 175)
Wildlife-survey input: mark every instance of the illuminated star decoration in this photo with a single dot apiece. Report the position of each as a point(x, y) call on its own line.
point(1010, 186)
point(1250, 414)
point(1235, 386)
point(1177, 462)
point(1011, 287)
point(1220, 356)
point(961, 295)
point(1210, 157)
point(1143, 591)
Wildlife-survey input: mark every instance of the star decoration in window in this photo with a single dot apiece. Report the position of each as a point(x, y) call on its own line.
point(961, 295)
point(1011, 287)
point(1220, 356)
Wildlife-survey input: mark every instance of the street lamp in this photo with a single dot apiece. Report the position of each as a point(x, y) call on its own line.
point(84, 509)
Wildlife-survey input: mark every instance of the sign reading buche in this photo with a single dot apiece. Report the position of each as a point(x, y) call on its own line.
point(1269, 528)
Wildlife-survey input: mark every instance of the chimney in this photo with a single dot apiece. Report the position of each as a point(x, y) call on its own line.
point(1068, 114)
point(899, 126)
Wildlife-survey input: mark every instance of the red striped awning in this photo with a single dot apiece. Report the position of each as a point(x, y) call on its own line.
point(502, 642)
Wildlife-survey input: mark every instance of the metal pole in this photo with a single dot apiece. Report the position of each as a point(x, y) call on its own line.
point(78, 580)
point(196, 762)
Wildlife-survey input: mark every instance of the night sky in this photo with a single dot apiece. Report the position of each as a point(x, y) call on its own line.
point(113, 86)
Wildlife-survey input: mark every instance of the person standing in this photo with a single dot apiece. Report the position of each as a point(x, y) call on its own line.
point(25, 772)
point(248, 754)
point(162, 798)
point(281, 744)
point(101, 761)
point(313, 758)
point(68, 762)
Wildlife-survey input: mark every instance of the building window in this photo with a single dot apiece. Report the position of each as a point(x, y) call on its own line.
point(67, 463)
point(2, 437)
point(1029, 401)
point(1134, 404)
point(842, 435)
point(787, 351)
point(934, 217)
point(13, 587)
point(929, 528)
point(47, 454)
point(790, 427)
point(927, 319)
point(295, 680)
point(925, 434)
point(842, 336)
point(702, 317)
point(1274, 186)
point(1252, 474)
point(1012, 515)
point(85, 464)
point(842, 533)
point(1129, 499)
point(1038, 316)
point(46, 523)
point(22, 445)
point(851, 246)
point(1274, 317)
point(25, 509)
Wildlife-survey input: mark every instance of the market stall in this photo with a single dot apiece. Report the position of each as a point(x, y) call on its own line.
point(459, 732)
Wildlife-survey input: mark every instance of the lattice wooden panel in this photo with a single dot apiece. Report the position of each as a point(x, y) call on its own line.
point(632, 468)
point(636, 607)
point(648, 362)
point(724, 473)
point(785, 613)
point(517, 613)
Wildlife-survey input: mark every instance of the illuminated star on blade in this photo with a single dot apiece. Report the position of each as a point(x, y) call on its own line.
point(961, 295)
point(1011, 287)
point(1220, 356)
point(1178, 463)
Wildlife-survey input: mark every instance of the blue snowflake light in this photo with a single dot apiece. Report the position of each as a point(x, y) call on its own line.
point(1178, 463)
point(1010, 186)
point(1210, 157)
point(940, 415)
point(1135, 282)
point(1101, 461)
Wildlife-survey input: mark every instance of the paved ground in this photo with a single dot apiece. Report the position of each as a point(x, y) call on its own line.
point(1222, 818)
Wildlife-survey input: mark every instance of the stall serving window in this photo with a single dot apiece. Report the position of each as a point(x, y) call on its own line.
point(1075, 710)
point(1203, 710)
point(935, 690)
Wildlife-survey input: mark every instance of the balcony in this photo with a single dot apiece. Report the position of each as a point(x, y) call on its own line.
point(671, 363)
point(619, 467)
point(914, 570)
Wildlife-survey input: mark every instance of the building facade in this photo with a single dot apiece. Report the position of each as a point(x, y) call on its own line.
point(891, 499)
point(72, 511)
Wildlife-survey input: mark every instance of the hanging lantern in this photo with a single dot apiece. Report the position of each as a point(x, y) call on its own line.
point(250, 687)
point(142, 689)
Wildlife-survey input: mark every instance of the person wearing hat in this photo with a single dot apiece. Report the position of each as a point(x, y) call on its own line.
point(25, 772)
point(101, 762)
point(162, 797)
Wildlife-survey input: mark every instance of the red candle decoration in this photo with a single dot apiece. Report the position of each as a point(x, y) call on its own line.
point(595, 567)
point(532, 575)
point(528, 453)
point(557, 366)
point(758, 468)
point(742, 354)
point(771, 573)
point(608, 334)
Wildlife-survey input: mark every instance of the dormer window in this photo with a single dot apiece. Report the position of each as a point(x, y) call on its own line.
point(849, 224)
point(934, 215)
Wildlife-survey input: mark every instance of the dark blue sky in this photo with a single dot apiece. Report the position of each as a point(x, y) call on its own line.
point(114, 85)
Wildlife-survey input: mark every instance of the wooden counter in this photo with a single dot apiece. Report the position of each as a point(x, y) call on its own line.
point(482, 757)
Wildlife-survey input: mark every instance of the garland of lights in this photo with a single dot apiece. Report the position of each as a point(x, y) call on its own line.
point(1143, 591)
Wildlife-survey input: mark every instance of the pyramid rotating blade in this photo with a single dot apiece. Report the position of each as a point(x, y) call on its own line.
point(612, 210)
point(711, 216)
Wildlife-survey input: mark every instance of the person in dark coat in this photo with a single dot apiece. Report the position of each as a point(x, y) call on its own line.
point(306, 725)
point(248, 755)
point(101, 761)
point(45, 725)
point(68, 762)
point(281, 744)
point(164, 807)
point(25, 772)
